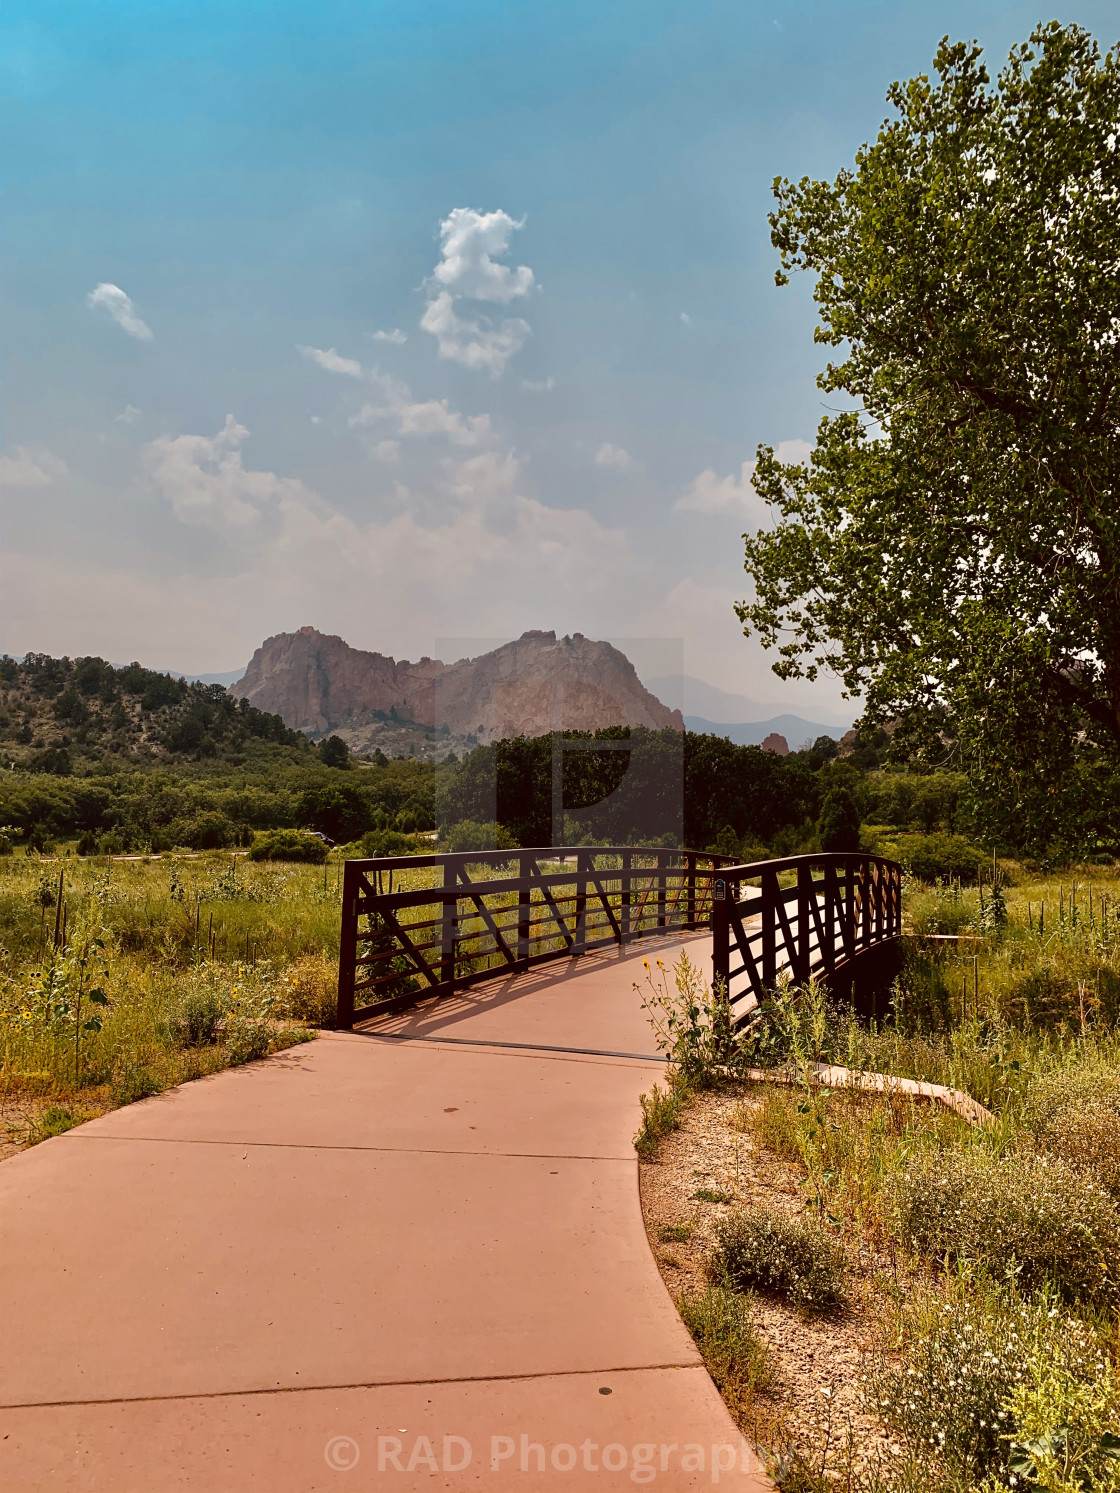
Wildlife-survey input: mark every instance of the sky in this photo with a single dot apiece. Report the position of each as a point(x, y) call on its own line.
point(415, 322)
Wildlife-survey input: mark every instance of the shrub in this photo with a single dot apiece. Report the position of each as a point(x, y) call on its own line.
point(391, 842)
point(288, 845)
point(468, 834)
point(206, 831)
point(1034, 1217)
point(955, 1397)
point(196, 1019)
point(246, 1039)
point(940, 857)
point(722, 1327)
point(791, 1257)
point(310, 990)
point(1076, 1115)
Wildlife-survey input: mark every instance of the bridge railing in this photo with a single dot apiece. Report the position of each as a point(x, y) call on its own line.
point(423, 925)
point(812, 915)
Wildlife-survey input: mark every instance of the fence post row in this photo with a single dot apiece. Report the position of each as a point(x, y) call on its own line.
point(815, 926)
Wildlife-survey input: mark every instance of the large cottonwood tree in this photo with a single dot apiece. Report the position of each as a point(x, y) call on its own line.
point(952, 546)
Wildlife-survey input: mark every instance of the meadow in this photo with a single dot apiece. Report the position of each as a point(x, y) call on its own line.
point(977, 1264)
point(120, 977)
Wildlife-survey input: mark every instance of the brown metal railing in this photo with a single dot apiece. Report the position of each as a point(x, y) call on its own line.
point(423, 925)
point(813, 926)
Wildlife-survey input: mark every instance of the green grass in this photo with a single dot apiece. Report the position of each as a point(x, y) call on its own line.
point(164, 970)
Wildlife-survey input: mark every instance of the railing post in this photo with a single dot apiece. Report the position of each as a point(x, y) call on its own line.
point(865, 905)
point(524, 897)
point(690, 897)
point(804, 891)
point(624, 908)
point(348, 945)
point(721, 933)
point(662, 876)
point(580, 929)
point(449, 925)
point(770, 894)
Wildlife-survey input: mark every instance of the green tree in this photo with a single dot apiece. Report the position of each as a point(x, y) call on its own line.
point(333, 752)
point(952, 547)
point(838, 826)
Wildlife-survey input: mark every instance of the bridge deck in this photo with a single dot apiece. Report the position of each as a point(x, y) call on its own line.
point(426, 1228)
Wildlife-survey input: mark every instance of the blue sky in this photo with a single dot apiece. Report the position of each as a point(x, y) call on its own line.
point(216, 445)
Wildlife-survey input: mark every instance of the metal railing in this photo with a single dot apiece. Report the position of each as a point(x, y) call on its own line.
point(814, 926)
point(471, 915)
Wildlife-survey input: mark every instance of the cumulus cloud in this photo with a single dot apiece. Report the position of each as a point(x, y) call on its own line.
point(395, 335)
point(128, 415)
point(686, 320)
point(410, 417)
point(711, 493)
point(111, 298)
point(538, 385)
point(616, 457)
point(477, 343)
point(387, 450)
point(472, 244)
point(26, 467)
point(206, 484)
point(332, 361)
point(469, 240)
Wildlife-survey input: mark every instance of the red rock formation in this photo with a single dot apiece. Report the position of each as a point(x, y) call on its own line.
point(537, 684)
point(775, 743)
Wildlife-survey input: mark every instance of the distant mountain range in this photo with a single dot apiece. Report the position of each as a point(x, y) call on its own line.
point(698, 699)
point(796, 731)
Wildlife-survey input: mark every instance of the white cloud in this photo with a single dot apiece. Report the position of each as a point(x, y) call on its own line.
point(469, 240)
point(387, 450)
point(711, 493)
point(409, 417)
point(315, 419)
point(27, 467)
point(478, 343)
point(613, 456)
point(112, 298)
point(538, 385)
point(332, 361)
point(128, 415)
point(203, 479)
point(395, 335)
point(468, 270)
point(686, 320)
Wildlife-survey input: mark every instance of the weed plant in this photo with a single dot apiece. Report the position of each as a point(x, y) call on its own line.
point(723, 1329)
point(792, 1257)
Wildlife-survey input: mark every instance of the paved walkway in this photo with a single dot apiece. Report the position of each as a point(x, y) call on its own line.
point(418, 1245)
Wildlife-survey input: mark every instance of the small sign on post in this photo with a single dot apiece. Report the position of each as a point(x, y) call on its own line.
point(719, 890)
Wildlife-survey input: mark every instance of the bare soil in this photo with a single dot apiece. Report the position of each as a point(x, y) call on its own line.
point(813, 1412)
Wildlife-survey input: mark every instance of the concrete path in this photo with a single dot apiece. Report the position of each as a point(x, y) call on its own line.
point(410, 1256)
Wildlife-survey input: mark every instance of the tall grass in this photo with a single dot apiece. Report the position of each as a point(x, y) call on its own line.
point(99, 957)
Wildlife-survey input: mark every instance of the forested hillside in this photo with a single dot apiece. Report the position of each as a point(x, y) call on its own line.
point(60, 715)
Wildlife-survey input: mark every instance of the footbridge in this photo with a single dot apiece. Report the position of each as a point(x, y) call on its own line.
point(421, 927)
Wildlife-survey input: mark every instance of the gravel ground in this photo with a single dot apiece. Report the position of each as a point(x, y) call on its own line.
point(814, 1409)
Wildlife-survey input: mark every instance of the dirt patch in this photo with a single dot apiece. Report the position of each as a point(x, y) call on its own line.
point(813, 1412)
